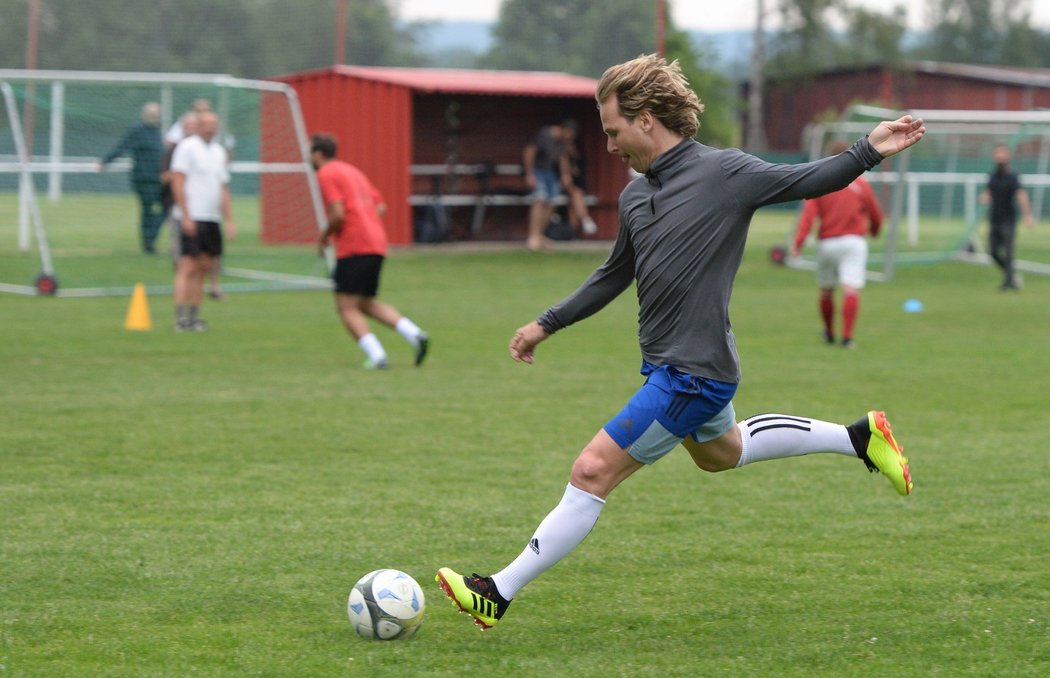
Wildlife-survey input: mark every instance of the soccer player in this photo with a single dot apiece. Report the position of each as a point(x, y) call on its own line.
point(845, 217)
point(354, 208)
point(682, 229)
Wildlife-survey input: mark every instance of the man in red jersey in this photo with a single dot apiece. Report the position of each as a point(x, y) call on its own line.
point(846, 216)
point(353, 207)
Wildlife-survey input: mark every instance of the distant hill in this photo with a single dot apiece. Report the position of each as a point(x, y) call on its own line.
point(458, 43)
point(731, 49)
point(473, 36)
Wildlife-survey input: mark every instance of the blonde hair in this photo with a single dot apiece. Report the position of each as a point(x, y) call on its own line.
point(650, 83)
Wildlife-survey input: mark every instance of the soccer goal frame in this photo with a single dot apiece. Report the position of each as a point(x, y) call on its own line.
point(29, 210)
point(933, 180)
point(276, 104)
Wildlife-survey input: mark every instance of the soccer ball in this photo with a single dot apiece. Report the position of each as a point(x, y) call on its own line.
point(386, 604)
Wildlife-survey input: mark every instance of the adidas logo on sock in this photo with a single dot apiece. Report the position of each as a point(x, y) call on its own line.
point(535, 545)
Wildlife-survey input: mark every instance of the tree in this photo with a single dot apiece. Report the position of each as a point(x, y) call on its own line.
point(872, 37)
point(246, 38)
point(584, 37)
point(984, 31)
point(1025, 46)
point(718, 123)
point(808, 42)
point(573, 36)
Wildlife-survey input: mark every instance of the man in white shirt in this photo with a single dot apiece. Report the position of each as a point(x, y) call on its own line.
point(200, 183)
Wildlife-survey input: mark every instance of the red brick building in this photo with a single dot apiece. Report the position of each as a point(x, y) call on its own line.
point(790, 105)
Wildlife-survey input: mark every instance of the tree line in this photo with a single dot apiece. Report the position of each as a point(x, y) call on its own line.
point(818, 34)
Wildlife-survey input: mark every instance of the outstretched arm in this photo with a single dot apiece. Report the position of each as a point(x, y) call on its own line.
point(890, 137)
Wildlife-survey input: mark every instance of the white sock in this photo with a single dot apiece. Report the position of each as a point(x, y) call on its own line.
point(560, 532)
point(408, 329)
point(372, 348)
point(772, 436)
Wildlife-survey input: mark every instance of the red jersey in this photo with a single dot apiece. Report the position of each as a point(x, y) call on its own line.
point(854, 210)
point(362, 231)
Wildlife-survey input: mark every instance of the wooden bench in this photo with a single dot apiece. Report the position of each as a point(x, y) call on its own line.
point(483, 198)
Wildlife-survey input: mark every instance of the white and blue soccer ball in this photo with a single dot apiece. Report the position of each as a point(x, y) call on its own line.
point(386, 604)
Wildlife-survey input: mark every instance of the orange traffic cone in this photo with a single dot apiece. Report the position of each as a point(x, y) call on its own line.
point(138, 310)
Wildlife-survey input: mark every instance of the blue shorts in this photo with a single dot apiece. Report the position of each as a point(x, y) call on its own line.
point(548, 185)
point(668, 407)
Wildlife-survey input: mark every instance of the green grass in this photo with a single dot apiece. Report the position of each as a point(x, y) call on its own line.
point(94, 243)
point(183, 504)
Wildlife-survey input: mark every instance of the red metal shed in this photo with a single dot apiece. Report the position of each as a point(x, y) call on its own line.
point(418, 132)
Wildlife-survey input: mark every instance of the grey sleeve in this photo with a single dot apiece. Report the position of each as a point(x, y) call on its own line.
point(605, 284)
point(756, 182)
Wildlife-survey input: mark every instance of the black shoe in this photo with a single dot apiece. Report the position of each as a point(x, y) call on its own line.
point(849, 343)
point(421, 348)
point(829, 338)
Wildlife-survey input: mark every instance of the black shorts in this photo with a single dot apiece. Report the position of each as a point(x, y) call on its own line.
point(358, 274)
point(207, 241)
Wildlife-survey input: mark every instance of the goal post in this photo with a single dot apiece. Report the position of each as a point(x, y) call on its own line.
point(71, 119)
point(29, 210)
point(931, 192)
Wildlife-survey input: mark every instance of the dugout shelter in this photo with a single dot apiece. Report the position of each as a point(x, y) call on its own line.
point(447, 144)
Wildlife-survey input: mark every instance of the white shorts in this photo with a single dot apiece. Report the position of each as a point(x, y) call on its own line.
point(842, 261)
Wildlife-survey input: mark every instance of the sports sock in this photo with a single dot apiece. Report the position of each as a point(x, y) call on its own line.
point(409, 330)
point(372, 348)
point(560, 532)
point(194, 313)
point(850, 305)
point(182, 313)
point(772, 436)
point(827, 311)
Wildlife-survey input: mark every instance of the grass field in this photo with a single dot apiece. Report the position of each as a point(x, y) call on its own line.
point(201, 504)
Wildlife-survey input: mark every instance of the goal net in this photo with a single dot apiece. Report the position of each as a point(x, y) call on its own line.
point(66, 223)
point(931, 194)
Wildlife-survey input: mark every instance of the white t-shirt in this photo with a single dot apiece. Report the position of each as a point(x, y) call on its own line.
point(204, 164)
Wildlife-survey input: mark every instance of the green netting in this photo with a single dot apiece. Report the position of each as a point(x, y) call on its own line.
point(938, 216)
point(91, 218)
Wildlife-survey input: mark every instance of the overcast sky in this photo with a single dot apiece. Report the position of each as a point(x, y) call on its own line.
point(709, 15)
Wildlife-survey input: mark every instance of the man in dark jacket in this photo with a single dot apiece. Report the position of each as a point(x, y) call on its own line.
point(143, 143)
point(1003, 194)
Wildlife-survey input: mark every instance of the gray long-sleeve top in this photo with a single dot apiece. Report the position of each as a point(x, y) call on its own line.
point(682, 231)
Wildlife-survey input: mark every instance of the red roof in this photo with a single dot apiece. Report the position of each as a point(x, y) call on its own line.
point(465, 81)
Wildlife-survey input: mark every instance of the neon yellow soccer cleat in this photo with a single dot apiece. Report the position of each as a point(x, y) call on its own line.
point(475, 595)
point(884, 455)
